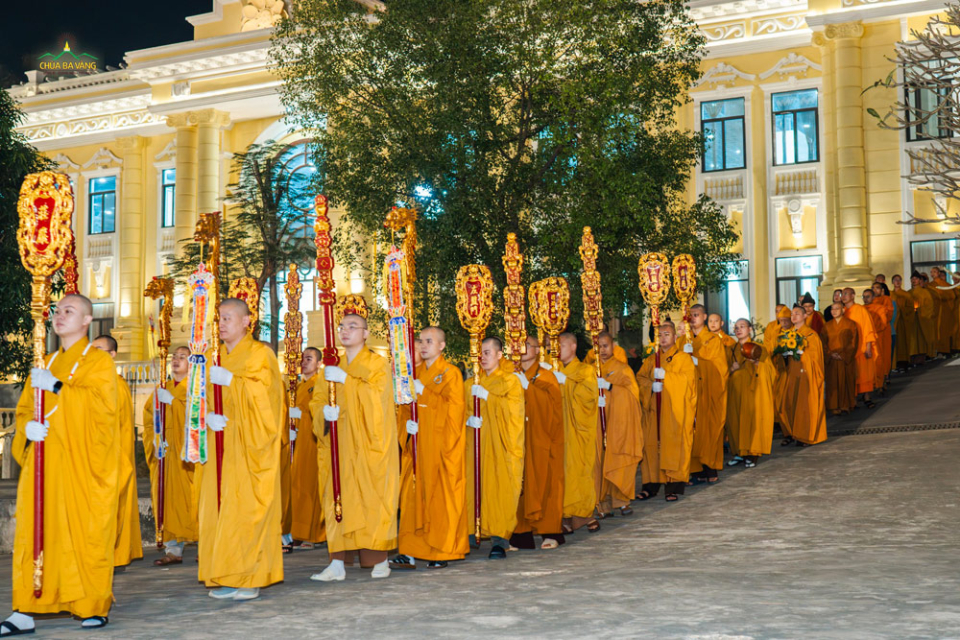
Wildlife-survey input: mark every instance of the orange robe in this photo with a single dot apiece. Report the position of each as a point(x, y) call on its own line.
point(616, 471)
point(433, 522)
point(866, 367)
point(843, 338)
point(750, 408)
point(307, 514)
point(540, 508)
point(667, 458)
point(710, 363)
point(947, 320)
point(927, 312)
point(883, 349)
point(906, 325)
point(618, 354)
point(803, 392)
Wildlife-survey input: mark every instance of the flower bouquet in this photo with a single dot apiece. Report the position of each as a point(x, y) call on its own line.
point(790, 344)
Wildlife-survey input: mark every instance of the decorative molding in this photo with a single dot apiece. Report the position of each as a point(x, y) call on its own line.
point(261, 14)
point(795, 213)
point(64, 162)
point(777, 24)
point(843, 30)
point(725, 188)
point(796, 182)
point(168, 240)
point(724, 73)
point(725, 31)
point(201, 116)
point(101, 124)
point(180, 89)
point(102, 158)
point(791, 64)
point(701, 10)
point(853, 3)
point(169, 152)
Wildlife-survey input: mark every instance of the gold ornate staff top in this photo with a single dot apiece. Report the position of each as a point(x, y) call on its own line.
point(553, 311)
point(654, 270)
point(514, 315)
point(533, 296)
point(685, 286)
point(590, 282)
point(351, 304)
point(208, 232)
point(293, 328)
point(246, 289)
point(162, 288)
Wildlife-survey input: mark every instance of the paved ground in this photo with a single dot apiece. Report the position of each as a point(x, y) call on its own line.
point(856, 538)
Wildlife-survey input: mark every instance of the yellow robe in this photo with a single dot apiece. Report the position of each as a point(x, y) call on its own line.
point(770, 336)
point(286, 467)
point(501, 453)
point(670, 461)
point(129, 543)
point(619, 354)
point(803, 407)
point(433, 524)
point(240, 546)
point(81, 489)
point(927, 313)
point(712, 370)
point(369, 456)
point(181, 489)
point(616, 472)
point(906, 344)
point(580, 394)
point(307, 515)
point(750, 408)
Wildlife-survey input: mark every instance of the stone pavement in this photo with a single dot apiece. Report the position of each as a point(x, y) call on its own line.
point(856, 538)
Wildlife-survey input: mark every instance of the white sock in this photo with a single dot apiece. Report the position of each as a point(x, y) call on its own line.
point(21, 621)
point(337, 566)
point(382, 565)
point(287, 538)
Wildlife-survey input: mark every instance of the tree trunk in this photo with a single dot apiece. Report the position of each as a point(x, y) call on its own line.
point(274, 313)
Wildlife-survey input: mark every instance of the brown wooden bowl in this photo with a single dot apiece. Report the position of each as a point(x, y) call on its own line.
point(751, 350)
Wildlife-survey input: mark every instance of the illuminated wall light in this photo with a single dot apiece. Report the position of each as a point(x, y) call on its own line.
point(125, 310)
point(356, 285)
point(852, 257)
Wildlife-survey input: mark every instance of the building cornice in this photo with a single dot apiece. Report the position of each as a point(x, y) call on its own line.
point(876, 12)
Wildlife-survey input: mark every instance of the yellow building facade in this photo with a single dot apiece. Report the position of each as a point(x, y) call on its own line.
point(804, 172)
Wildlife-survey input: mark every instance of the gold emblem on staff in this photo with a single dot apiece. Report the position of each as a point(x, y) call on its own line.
point(685, 286)
point(246, 289)
point(552, 310)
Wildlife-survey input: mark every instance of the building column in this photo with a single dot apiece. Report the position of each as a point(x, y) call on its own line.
point(130, 330)
point(851, 181)
point(829, 165)
point(210, 123)
point(185, 203)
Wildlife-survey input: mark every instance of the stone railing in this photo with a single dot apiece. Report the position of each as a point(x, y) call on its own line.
point(8, 467)
point(802, 181)
point(726, 188)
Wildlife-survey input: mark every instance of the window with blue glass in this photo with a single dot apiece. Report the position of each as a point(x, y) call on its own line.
point(798, 276)
point(731, 301)
point(103, 205)
point(795, 127)
point(300, 174)
point(168, 195)
point(722, 126)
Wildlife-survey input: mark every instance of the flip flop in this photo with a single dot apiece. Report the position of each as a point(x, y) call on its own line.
point(167, 560)
point(13, 630)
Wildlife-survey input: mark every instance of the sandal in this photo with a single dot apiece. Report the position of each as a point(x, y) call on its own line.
point(626, 511)
point(870, 404)
point(734, 461)
point(604, 516)
point(593, 526)
point(671, 497)
point(13, 630)
point(402, 562)
point(287, 548)
point(749, 464)
point(167, 560)
point(566, 529)
point(96, 622)
point(786, 442)
point(643, 495)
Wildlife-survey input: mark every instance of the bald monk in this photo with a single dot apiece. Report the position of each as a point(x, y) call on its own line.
point(129, 544)
point(750, 407)
point(905, 344)
point(837, 294)
point(433, 518)
point(578, 382)
point(803, 387)
point(501, 424)
point(771, 335)
point(715, 325)
point(619, 354)
point(540, 509)
point(881, 296)
point(82, 457)
point(840, 378)
point(668, 446)
point(307, 514)
point(616, 470)
point(947, 320)
point(927, 314)
point(239, 548)
point(772, 331)
point(866, 356)
point(181, 486)
point(881, 327)
point(710, 361)
point(369, 455)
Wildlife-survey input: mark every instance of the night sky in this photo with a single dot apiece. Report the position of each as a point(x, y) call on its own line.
point(106, 29)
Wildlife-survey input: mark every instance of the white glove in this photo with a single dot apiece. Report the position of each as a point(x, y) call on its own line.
point(37, 432)
point(334, 374)
point(696, 362)
point(474, 422)
point(331, 414)
point(412, 427)
point(220, 376)
point(799, 352)
point(788, 353)
point(295, 413)
point(659, 373)
point(43, 379)
point(602, 401)
point(546, 365)
point(293, 435)
point(164, 396)
point(523, 380)
point(561, 377)
point(216, 421)
point(657, 387)
point(688, 348)
point(418, 387)
point(478, 391)
point(604, 384)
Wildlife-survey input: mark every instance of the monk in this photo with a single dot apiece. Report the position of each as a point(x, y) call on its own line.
point(616, 470)
point(501, 395)
point(837, 294)
point(239, 548)
point(927, 314)
point(771, 335)
point(578, 382)
point(803, 387)
point(905, 342)
point(619, 354)
point(669, 439)
point(715, 324)
point(307, 515)
point(82, 454)
point(180, 485)
point(773, 329)
point(881, 327)
point(881, 296)
point(750, 408)
point(433, 518)
point(129, 544)
point(540, 510)
point(842, 343)
point(947, 320)
point(866, 357)
point(369, 455)
point(813, 318)
point(710, 362)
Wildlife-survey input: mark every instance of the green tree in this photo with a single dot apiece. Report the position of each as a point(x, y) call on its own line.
point(494, 116)
point(17, 159)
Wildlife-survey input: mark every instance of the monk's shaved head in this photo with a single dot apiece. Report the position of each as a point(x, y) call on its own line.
point(567, 336)
point(352, 316)
point(82, 301)
point(236, 304)
point(439, 334)
point(182, 348)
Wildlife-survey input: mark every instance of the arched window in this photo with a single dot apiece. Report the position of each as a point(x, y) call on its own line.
point(300, 172)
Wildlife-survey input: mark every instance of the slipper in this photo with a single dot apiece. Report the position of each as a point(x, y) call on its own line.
point(304, 546)
point(166, 560)
point(734, 461)
point(750, 464)
point(13, 630)
point(96, 622)
point(643, 495)
point(671, 498)
point(549, 543)
point(626, 511)
point(593, 526)
point(402, 562)
point(287, 548)
point(567, 530)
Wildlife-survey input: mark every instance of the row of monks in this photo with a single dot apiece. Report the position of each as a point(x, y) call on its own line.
point(560, 444)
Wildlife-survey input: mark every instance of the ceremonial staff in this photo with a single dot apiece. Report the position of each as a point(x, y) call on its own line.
point(685, 286)
point(208, 231)
point(195, 447)
point(593, 311)
point(293, 343)
point(475, 307)
point(514, 314)
point(161, 288)
point(327, 297)
point(654, 270)
point(533, 295)
point(45, 208)
point(553, 311)
point(246, 289)
point(71, 275)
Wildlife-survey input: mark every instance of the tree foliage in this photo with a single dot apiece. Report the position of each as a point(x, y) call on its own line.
point(17, 159)
point(493, 116)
